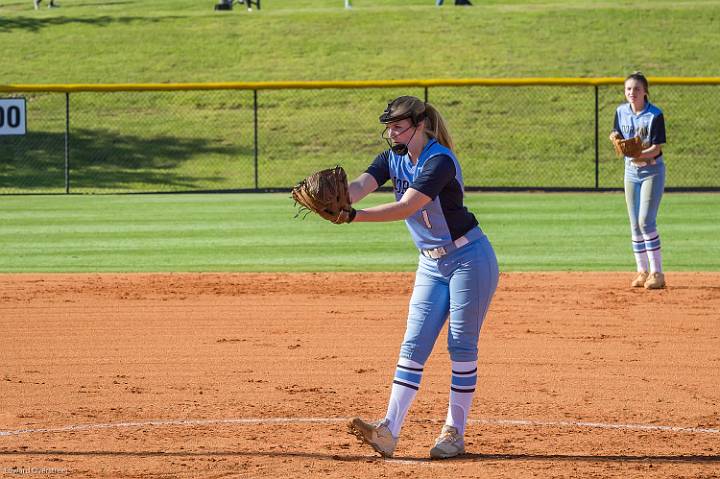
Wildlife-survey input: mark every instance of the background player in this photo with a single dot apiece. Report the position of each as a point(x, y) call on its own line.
point(457, 272)
point(52, 4)
point(644, 177)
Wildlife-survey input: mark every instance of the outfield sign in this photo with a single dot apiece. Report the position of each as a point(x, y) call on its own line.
point(12, 116)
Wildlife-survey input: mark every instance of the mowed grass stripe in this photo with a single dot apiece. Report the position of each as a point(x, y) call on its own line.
point(169, 233)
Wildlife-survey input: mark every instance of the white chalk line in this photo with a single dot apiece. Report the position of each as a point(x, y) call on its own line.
point(321, 420)
point(595, 425)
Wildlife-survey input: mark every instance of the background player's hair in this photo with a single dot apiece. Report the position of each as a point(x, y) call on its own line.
point(417, 110)
point(641, 78)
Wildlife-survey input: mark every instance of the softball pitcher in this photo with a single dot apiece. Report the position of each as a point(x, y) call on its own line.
point(644, 177)
point(457, 271)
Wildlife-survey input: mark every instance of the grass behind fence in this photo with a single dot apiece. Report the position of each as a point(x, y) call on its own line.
point(249, 233)
point(179, 141)
point(185, 40)
point(506, 136)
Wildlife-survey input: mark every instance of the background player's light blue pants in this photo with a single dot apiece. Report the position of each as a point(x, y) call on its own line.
point(643, 191)
point(461, 285)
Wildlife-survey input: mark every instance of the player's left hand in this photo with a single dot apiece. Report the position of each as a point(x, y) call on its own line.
point(326, 194)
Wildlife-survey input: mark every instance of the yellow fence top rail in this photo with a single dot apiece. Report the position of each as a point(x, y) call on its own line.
point(315, 85)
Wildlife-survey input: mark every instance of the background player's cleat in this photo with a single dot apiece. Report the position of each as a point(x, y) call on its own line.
point(639, 281)
point(36, 3)
point(655, 281)
point(449, 444)
point(376, 434)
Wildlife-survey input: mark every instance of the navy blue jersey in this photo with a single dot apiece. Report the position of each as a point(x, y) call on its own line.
point(437, 174)
point(648, 124)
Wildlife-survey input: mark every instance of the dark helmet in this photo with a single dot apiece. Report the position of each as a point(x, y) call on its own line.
point(404, 107)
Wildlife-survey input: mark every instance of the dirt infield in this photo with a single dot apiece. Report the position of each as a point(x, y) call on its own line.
point(247, 375)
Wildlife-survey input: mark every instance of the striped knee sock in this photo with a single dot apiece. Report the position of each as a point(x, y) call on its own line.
point(640, 251)
point(652, 245)
point(462, 390)
point(405, 386)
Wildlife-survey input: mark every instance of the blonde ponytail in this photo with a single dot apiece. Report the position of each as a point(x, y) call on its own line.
point(435, 127)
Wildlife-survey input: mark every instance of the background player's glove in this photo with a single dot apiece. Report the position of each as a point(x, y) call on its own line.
point(326, 193)
point(632, 147)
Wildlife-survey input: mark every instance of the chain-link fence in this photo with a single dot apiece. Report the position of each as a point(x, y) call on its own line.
point(516, 134)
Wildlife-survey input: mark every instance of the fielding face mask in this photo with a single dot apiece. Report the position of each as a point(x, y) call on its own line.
point(398, 148)
point(391, 115)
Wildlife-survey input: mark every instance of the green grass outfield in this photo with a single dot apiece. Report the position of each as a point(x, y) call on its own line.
point(257, 232)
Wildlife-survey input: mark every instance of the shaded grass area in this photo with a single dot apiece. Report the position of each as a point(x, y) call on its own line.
point(104, 160)
point(215, 233)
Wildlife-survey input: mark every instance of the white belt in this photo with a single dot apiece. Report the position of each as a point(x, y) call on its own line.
point(437, 253)
point(641, 163)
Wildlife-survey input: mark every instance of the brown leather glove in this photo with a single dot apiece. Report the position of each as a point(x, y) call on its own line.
point(325, 193)
point(632, 147)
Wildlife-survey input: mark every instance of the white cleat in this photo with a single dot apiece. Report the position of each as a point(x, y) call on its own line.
point(655, 281)
point(449, 444)
point(376, 434)
point(639, 281)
